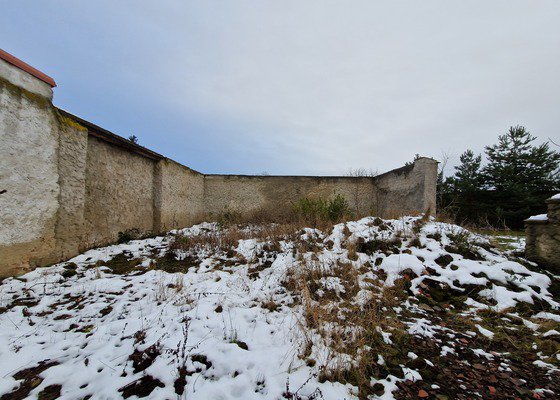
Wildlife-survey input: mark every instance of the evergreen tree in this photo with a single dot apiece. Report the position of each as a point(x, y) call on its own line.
point(468, 177)
point(517, 166)
point(518, 178)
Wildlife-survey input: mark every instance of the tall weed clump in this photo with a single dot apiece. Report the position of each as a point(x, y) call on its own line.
point(315, 211)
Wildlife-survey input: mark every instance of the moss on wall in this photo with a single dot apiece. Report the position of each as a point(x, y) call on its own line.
point(64, 121)
point(19, 92)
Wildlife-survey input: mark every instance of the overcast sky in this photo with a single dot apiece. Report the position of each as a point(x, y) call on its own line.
point(298, 87)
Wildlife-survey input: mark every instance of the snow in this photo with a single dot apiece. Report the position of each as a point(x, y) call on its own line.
point(99, 359)
point(540, 217)
point(485, 332)
point(547, 315)
point(411, 355)
point(395, 264)
point(89, 323)
point(446, 350)
point(555, 197)
point(422, 327)
point(482, 353)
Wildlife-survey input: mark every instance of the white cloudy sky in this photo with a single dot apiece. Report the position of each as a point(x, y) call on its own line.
point(298, 87)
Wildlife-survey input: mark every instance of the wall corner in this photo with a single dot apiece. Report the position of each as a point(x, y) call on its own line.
point(427, 168)
point(24, 76)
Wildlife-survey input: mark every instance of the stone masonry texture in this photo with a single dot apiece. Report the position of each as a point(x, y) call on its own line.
point(543, 238)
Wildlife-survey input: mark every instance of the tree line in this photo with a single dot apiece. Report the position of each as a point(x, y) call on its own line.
point(505, 187)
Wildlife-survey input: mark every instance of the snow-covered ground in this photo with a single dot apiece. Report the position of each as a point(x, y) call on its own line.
point(233, 323)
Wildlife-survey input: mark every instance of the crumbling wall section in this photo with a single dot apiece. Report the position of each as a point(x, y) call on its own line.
point(409, 190)
point(248, 194)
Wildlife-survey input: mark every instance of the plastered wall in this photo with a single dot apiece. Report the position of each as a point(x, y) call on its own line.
point(67, 185)
point(72, 158)
point(28, 172)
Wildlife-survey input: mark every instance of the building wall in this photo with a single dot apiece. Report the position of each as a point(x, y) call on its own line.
point(67, 185)
point(407, 190)
point(180, 196)
point(28, 173)
point(72, 157)
point(119, 193)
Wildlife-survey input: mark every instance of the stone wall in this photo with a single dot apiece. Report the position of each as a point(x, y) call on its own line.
point(72, 163)
point(180, 196)
point(67, 185)
point(28, 171)
point(543, 237)
point(119, 193)
point(407, 190)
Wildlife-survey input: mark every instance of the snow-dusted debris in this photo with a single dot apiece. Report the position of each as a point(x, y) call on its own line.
point(271, 312)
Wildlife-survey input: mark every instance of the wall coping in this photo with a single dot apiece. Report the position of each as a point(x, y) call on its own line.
point(290, 176)
point(108, 136)
point(4, 55)
point(401, 170)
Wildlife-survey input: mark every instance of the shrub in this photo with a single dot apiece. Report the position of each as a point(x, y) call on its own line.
point(318, 210)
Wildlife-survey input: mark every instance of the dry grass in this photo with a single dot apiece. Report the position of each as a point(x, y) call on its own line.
point(351, 331)
point(367, 343)
point(170, 290)
point(226, 239)
point(214, 241)
point(313, 212)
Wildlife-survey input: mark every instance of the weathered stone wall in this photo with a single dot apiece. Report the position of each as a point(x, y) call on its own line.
point(543, 238)
point(407, 190)
point(28, 171)
point(67, 185)
point(119, 193)
point(72, 157)
point(179, 197)
point(245, 194)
